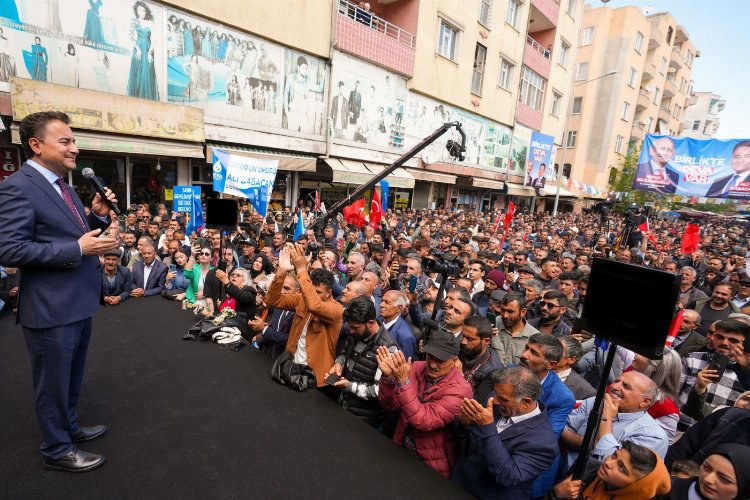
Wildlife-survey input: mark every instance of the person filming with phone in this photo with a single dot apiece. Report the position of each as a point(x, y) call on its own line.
point(710, 380)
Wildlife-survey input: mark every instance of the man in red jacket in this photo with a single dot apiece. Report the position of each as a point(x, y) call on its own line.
point(429, 395)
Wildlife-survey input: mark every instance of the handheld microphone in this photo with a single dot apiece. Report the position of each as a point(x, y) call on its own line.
point(89, 174)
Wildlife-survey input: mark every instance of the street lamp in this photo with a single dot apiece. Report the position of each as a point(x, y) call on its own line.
point(568, 115)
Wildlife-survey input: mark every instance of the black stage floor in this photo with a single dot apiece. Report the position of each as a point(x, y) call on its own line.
point(193, 420)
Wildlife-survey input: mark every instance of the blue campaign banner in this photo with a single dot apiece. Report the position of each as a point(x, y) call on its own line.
point(183, 198)
point(245, 177)
point(539, 160)
point(693, 167)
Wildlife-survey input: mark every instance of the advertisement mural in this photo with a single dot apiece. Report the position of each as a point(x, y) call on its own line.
point(520, 149)
point(228, 74)
point(693, 167)
point(368, 103)
point(111, 46)
point(302, 105)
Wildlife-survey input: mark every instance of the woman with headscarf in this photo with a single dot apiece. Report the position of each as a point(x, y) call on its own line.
point(724, 475)
point(633, 472)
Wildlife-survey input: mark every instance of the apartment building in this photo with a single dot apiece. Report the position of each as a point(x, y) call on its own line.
point(701, 119)
point(632, 77)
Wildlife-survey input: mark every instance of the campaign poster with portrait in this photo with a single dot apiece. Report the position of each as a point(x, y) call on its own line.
point(112, 46)
point(692, 167)
point(367, 103)
point(539, 167)
point(230, 75)
point(304, 91)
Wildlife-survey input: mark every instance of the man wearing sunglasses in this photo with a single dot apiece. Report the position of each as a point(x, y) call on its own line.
point(554, 306)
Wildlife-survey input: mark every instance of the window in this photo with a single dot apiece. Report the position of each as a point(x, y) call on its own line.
point(514, 6)
point(577, 105)
point(582, 71)
point(571, 10)
point(670, 30)
point(556, 99)
point(447, 40)
point(649, 122)
point(587, 36)
point(689, 58)
point(506, 74)
point(480, 59)
point(571, 141)
point(632, 77)
point(625, 111)
point(697, 125)
point(484, 12)
point(656, 96)
point(532, 89)
point(618, 144)
point(562, 58)
point(566, 169)
point(638, 42)
point(663, 65)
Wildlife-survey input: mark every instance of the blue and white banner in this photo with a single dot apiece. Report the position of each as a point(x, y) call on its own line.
point(693, 167)
point(245, 177)
point(187, 199)
point(539, 167)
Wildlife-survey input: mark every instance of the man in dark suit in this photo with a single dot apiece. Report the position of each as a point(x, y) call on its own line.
point(688, 340)
point(45, 232)
point(340, 112)
point(510, 440)
point(392, 307)
point(117, 280)
point(273, 335)
point(724, 187)
point(149, 274)
point(657, 174)
point(355, 104)
point(572, 352)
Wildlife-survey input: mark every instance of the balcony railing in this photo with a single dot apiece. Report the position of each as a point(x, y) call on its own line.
point(547, 53)
point(377, 23)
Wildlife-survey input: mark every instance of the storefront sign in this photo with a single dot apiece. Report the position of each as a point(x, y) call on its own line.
point(93, 110)
point(11, 161)
point(246, 177)
point(539, 167)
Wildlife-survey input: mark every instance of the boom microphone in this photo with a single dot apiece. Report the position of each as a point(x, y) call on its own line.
point(89, 174)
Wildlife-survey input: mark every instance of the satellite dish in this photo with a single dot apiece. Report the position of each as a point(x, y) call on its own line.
point(648, 9)
point(427, 159)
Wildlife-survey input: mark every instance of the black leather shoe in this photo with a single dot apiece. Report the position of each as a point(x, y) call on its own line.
point(88, 433)
point(76, 461)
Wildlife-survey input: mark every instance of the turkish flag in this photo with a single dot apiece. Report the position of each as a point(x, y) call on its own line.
point(646, 229)
point(509, 215)
point(376, 209)
point(691, 239)
point(353, 213)
point(674, 327)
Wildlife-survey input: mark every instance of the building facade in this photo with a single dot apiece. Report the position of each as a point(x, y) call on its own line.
point(632, 77)
point(701, 119)
point(332, 90)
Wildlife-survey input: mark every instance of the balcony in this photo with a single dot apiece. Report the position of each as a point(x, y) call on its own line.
point(528, 116)
point(537, 58)
point(676, 61)
point(649, 70)
point(370, 37)
point(644, 100)
point(638, 132)
point(543, 15)
point(670, 87)
point(656, 37)
point(664, 114)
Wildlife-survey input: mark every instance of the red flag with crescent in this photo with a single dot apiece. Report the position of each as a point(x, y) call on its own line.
point(353, 214)
point(376, 209)
point(691, 239)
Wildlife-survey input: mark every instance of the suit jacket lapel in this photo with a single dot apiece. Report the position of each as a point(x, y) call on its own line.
point(42, 183)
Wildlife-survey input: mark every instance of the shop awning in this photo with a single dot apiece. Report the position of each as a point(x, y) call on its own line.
point(429, 176)
point(288, 160)
point(348, 172)
point(487, 184)
point(399, 178)
point(551, 190)
point(520, 190)
point(97, 141)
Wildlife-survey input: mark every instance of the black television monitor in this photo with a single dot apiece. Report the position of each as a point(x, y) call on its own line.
point(221, 213)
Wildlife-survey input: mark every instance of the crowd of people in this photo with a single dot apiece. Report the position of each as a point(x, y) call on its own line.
point(490, 378)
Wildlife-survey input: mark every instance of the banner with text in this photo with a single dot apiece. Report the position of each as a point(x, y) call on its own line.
point(693, 167)
point(539, 160)
point(246, 177)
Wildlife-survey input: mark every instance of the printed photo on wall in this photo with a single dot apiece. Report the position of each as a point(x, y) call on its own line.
point(304, 93)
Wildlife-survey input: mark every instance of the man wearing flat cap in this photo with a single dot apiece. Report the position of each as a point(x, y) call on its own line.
point(428, 395)
point(117, 280)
